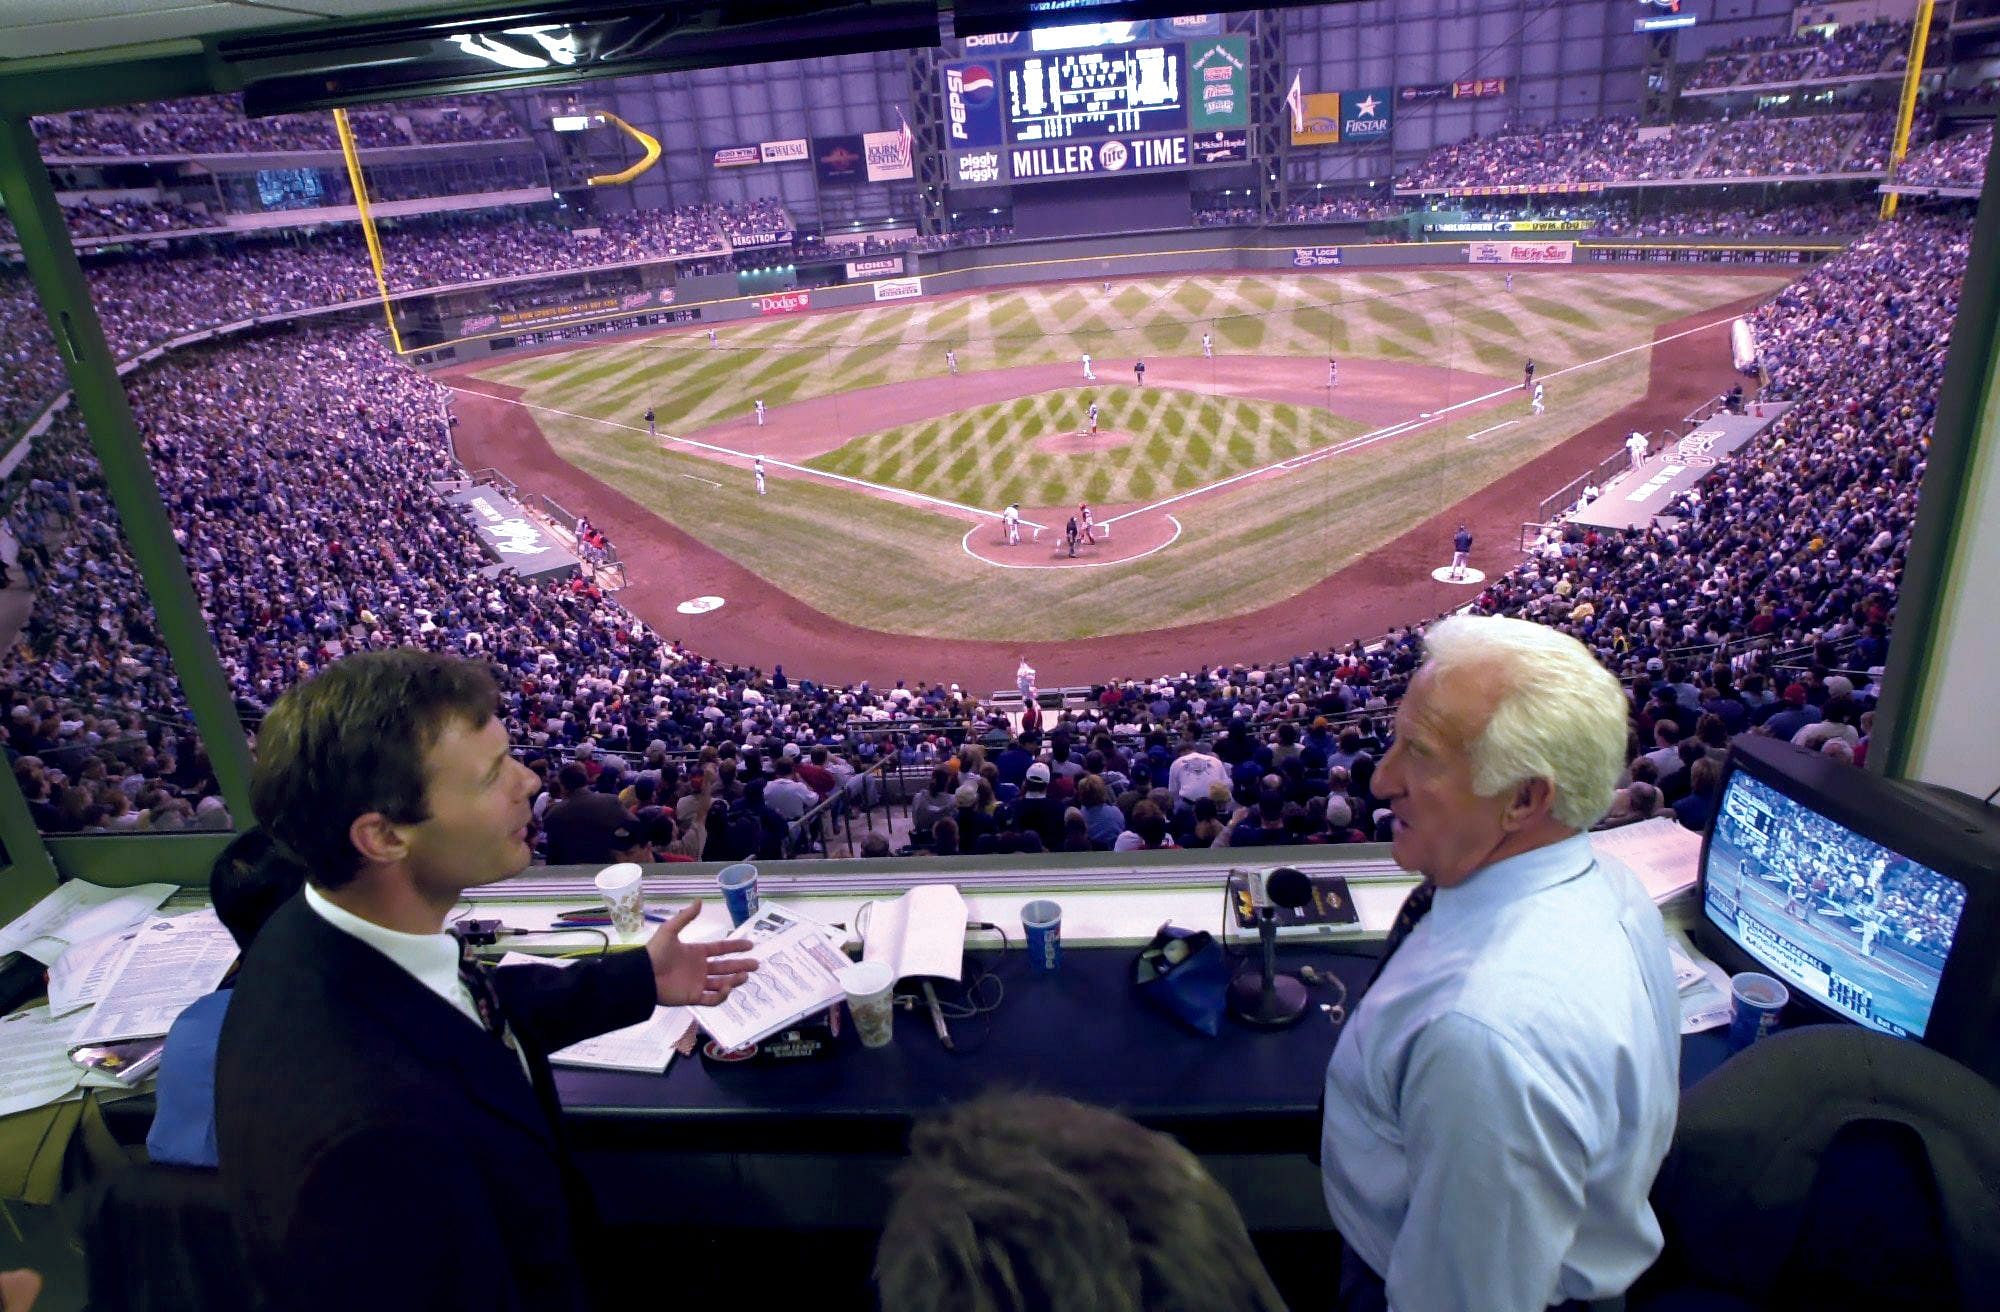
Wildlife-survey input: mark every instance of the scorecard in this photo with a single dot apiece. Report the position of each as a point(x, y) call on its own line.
point(1096, 93)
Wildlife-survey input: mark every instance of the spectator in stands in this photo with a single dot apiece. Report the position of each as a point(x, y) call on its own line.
point(1031, 1201)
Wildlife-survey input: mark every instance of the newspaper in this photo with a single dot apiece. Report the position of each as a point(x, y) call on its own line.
point(78, 976)
point(35, 1068)
point(798, 977)
point(77, 911)
point(170, 962)
point(647, 1046)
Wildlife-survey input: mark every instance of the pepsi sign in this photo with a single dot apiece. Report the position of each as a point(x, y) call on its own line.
point(972, 105)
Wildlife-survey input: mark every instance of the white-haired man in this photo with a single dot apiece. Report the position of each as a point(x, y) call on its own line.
point(1502, 1098)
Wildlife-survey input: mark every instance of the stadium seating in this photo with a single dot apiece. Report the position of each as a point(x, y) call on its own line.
point(1958, 161)
point(217, 125)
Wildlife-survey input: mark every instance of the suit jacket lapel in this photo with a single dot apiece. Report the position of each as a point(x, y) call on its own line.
point(431, 1030)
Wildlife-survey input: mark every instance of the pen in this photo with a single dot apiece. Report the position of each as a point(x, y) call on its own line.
point(593, 920)
point(937, 1015)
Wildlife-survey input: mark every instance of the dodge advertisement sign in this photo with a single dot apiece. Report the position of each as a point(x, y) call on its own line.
point(784, 303)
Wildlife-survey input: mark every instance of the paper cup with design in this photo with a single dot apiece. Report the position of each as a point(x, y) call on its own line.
point(1755, 999)
point(739, 891)
point(621, 886)
point(871, 1000)
point(1041, 925)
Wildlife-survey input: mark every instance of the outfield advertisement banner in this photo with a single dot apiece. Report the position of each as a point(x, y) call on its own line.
point(1222, 147)
point(794, 151)
point(972, 105)
point(1514, 225)
point(784, 303)
point(1082, 159)
point(888, 156)
point(977, 168)
point(1219, 83)
point(1529, 189)
point(1479, 87)
point(1370, 114)
point(1417, 94)
point(838, 160)
point(1315, 257)
point(544, 316)
point(768, 237)
point(1322, 114)
point(899, 289)
point(735, 157)
point(875, 268)
point(1520, 252)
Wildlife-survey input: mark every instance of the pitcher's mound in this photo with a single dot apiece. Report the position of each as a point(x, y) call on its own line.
point(1080, 443)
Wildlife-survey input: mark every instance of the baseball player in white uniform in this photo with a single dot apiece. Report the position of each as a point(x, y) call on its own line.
point(758, 470)
point(1010, 519)
point(951, 361)
point(1538, 398)
point(1635, 446)
point(1024, 677)
point(1207, 347)
point(711, 337)
point(1332, 372)
point(1510, 281)
point(1086, 368)
point(1093, 418)
point(760, 414)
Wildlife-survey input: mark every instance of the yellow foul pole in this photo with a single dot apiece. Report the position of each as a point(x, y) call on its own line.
point(1906, 112)
point(368, 234)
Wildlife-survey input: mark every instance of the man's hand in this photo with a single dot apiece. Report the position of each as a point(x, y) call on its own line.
point(694, 974)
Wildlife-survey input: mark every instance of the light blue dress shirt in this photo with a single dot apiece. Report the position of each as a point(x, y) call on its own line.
point(1503, 1096)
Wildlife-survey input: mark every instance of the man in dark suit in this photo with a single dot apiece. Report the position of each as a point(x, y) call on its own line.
point(388, 1128)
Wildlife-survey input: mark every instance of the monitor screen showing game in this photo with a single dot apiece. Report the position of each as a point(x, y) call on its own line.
point(1860, 928)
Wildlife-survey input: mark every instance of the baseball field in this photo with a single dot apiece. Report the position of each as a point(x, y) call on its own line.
point(1238, 477)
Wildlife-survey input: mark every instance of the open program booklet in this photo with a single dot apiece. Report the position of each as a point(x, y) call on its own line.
point(920, 933)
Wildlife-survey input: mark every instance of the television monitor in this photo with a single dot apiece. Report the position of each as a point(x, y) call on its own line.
point(290, 189)
point(1876, 901)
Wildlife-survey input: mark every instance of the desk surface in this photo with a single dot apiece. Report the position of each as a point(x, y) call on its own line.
point(1081, 1032)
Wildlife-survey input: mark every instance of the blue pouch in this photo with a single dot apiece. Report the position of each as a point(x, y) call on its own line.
point(1185, 973)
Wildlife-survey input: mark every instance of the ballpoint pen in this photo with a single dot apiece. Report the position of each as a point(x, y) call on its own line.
point(937, 1015)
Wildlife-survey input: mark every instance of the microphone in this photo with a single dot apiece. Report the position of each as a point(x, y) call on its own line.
point(1271, 1001)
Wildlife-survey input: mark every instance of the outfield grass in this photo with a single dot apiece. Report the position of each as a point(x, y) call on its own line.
point(986, 456)
point(898, 568)
point(1439, 316)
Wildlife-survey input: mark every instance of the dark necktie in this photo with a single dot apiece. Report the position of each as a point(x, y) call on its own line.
point(1415, 907)
point(478, 979)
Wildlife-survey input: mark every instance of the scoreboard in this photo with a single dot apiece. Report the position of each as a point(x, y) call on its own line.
point(1030, 114)
point(1094, 93)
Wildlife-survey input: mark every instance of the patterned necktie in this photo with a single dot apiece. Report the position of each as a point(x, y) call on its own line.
point(479, 982)
point(1415, 907)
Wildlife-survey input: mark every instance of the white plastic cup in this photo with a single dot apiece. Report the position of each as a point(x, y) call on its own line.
point(871, 1000)
point(623, 894)
point(1756, 1001)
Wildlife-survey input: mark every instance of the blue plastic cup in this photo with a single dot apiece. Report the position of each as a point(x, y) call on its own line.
point(1041, 921)
point(1755, 1000)
point(739, 891)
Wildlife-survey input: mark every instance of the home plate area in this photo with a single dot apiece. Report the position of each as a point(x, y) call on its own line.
point(1044, 541)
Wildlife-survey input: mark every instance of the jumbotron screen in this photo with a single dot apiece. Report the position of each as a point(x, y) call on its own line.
point(1020, 109)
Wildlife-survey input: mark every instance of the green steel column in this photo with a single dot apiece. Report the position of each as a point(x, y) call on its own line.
point(100, 397)
point(28, 872)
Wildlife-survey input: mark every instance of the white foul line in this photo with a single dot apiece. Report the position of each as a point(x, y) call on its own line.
point(1397, 430)
point(1496, 428)
point(965, 544)
point(711, 482)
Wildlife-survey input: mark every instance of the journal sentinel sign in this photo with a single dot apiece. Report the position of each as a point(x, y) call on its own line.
point(1094, 158)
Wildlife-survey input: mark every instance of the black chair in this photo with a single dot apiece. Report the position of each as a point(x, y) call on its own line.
point(1830, 1168)
point(160, 1239)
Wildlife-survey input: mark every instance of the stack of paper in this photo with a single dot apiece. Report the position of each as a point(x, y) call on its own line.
point(1704, 988)
point(1662, 852)
point(169, 962)
point(76, 912)
point(647, 1046)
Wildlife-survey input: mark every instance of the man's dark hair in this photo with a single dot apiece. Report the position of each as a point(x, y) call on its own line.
point(250, 880)
point(1017, 1201)
point(351, 740)
point(573, 778)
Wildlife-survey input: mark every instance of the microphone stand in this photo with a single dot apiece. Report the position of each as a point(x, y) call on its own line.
point(1275, 1000)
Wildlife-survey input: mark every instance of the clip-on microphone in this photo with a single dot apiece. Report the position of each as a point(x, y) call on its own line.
point(1274, 1000)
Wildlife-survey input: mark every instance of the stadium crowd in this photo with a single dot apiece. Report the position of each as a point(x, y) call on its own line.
point(120, 219)
point(280, 454)
point(1955, 161)
point(1850, 51)
point(1619, 150)
point(217, 125)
